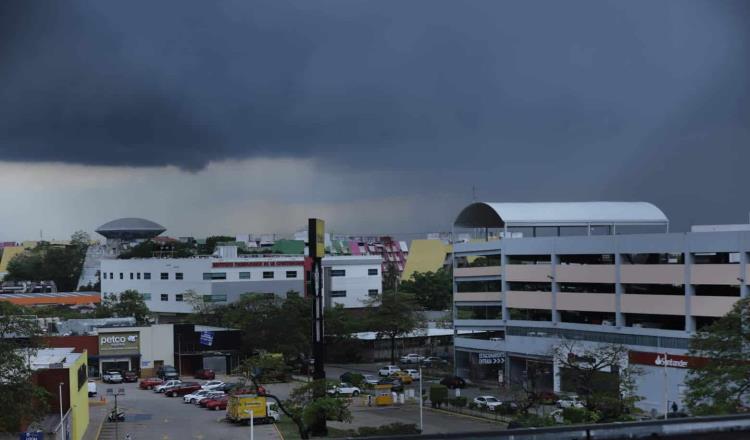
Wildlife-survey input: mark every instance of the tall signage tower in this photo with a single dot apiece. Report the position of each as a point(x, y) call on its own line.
point(317, 250)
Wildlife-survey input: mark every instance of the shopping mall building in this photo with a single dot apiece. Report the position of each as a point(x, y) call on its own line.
point(537, 274)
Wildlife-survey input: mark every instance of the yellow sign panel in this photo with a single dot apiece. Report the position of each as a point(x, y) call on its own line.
point(317, 237)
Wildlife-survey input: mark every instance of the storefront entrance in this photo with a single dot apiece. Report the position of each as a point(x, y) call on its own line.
point(115, 364)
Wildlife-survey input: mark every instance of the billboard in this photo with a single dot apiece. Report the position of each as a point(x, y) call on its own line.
point(119, 343)
point(316, 237)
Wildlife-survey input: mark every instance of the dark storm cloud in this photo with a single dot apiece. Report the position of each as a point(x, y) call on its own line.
point(530, 100)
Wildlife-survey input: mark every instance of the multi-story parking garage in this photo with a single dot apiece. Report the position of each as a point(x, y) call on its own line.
point(597, 272)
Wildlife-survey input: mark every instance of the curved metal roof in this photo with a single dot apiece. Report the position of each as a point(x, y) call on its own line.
point(494, 215)
point(130, 227)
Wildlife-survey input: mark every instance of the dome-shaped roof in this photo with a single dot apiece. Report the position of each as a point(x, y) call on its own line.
point(130, 228)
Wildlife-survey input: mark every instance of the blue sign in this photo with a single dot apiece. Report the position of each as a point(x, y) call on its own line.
point(31, 436)
point(207, 338)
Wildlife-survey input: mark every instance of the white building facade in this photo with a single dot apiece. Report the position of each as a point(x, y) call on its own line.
point(352, 281)
point(595, 277)
point(167, 284)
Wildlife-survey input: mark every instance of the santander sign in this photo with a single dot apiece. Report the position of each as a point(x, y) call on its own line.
point(664, 361)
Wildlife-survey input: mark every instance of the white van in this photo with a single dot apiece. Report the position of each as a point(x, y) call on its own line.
point(92, 388)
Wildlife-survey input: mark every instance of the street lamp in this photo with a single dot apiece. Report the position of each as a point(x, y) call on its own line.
point(421, 403)
point(252, 424)
point(62, 425)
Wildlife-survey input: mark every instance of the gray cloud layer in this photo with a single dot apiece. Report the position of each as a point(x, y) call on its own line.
point(532, 100)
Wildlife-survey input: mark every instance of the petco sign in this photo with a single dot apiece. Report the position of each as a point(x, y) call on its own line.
point(119, 342)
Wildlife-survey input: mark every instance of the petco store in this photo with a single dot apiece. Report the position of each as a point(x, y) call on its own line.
point(139, 349)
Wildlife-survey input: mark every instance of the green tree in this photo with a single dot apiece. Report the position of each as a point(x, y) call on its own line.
point(392, 315)
point(210, 246)
point(21, 401)
point(148, 248)
point(129, 303)
point(723, 384)
point(46, 262)
point(390, 278)
point(601, 375)
point(432, 290)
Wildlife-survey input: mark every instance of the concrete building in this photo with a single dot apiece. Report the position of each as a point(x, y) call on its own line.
point(167, 283)
point(595, 273)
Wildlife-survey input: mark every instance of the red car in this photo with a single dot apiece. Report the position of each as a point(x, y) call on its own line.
point(150, 383)
point(218, 403)
point(205, 374)
point(183, 389)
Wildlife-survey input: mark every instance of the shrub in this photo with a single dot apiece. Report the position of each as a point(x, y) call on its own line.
point(579, 415)
point(534, 421)
point(392, 429)
point(438, 395)
point(472, 405)
point(459, 402)
point(357, 380)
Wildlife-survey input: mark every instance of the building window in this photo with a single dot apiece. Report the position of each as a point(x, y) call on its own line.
point(146, 275)
point(165, 297)
point(214, 275)
point(105, 275)
point(110, 276)
point(338, 293)
point(372, 271)
point(372, 292)
point(178, 297)
point(138, 275)
point(146, 296)
point(338, 272)
point(178, 276)
point(214, 298)
point(121, 275)
point(244, 275)
point(131, 275)
point(268, 275)
point(164, 276)
point(291, 274)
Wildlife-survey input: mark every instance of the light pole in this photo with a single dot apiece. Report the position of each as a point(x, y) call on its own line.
point(666, 388)
point(421, 403)
point(252, 424)
point(62, 425)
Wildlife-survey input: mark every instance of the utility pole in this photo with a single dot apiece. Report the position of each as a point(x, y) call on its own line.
point(421, 403)
point(62, 425)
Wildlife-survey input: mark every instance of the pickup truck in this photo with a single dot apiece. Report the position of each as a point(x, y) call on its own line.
point(183, 389)
point(112, 377)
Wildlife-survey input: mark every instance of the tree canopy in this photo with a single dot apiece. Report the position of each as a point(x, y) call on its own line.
point(148, 248)
point(129, 303)
point(392, 315)
point(46, 262)
point(721, 385)
point(432, 290)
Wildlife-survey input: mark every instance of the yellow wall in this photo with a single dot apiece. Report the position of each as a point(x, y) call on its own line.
point(8, 254)
point(79, 399)
point(425, 256)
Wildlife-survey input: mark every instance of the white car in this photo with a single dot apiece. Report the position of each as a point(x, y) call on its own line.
point(490, 402)
point(411, 358)
point(569, 402)
point(168, 384)
point(370, 379)
point(388, 370)
point(195, 396)
point(344, 388)
point(92, 388)
point(112, 377)
point(413, 373)
point(212, 385)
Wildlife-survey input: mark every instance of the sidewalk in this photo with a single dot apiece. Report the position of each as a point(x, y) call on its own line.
point(97, 414)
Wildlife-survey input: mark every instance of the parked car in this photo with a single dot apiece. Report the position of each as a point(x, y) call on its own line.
point(411, 358)
point(433, 361)
point(403, 376)
point(130, 376)
point(396, 385)
point(209, 397)
point(489, 402)
point(205, 373)
point(195, 396)
point(166, 385)
point(388, 370)
point(212, 385)
point(168, 372)
point(182, 389)
point(92, 388)
point(220, 403)
point(344, 388)
point(453, 382)
point(569, 401)
point(414, 374)
point(370, 379)
point(227, 387)
point(112, 376)
point(150, 383)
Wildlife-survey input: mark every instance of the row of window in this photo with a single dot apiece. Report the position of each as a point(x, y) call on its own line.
point(342, 272)
point(179, 297)
point(342, 293)
point(268, 275)
point(137, 275)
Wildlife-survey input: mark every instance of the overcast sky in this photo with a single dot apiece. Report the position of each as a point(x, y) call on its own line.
point(380, 116)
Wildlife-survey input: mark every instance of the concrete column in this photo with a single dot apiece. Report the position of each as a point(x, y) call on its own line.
point(689, 291)
point(619, 317)
point(504, 284)
point(555, 260)
point(555, 376)
point(744, 288)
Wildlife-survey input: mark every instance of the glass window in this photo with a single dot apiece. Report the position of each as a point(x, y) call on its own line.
point(138, 275)
point(164, 297)
point(291, 274)
point(244, 275)
point(146, 275)
point(214, 298)
point(131, 275)
point(178, 297)
point(105, 275)
point(214, 275)
point(110, 276)
point(178, 276)
point(372, 271)
point(338, 293)
point(121, 275)
point(338, 272)
point(146, 296)
point(267, 275)
point(372, 292)
point(164, 276)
